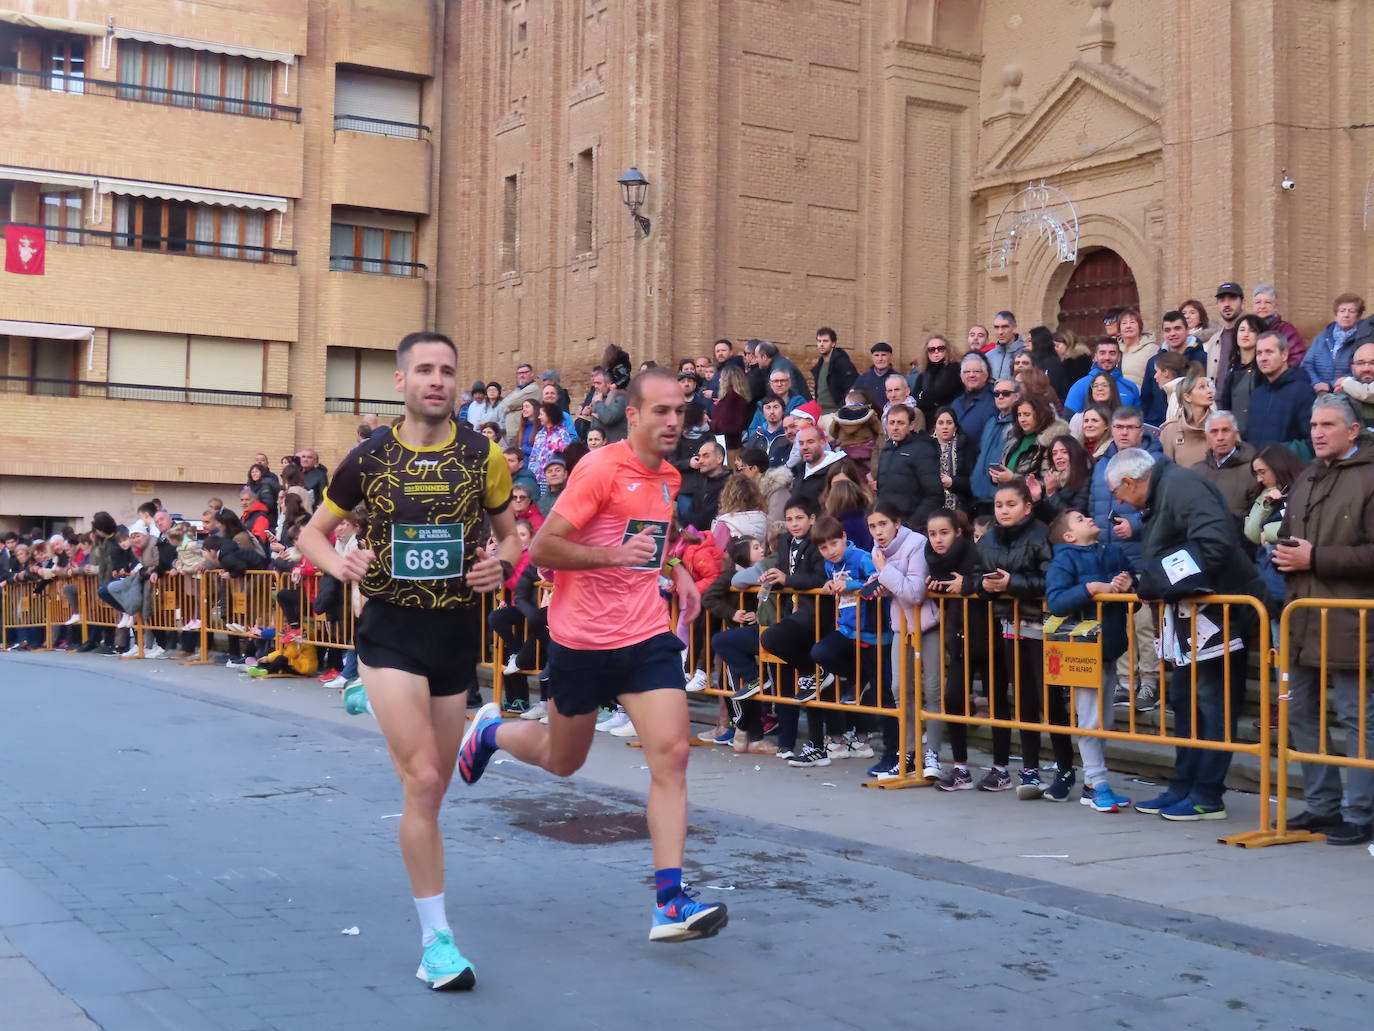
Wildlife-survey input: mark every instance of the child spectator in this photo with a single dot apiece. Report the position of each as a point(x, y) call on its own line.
point(856, 429)
point(292, 656)
point(852, 651)
point(739, 614)
point(1017, 550)
point(900, 563)
point(955, 566)
point(740, 511)
point(1081, 568)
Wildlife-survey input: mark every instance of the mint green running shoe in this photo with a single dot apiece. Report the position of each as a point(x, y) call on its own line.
point(443, 967)
point(355, 699)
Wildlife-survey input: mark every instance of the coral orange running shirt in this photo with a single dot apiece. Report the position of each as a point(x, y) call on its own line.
point(609, 497)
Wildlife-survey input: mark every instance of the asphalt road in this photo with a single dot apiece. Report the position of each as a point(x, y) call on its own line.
point(172, 858)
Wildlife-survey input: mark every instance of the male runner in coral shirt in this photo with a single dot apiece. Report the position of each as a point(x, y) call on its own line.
point(605, 539)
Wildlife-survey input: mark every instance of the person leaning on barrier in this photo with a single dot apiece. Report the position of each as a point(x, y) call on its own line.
point(1326, 550)
point(1189, 536)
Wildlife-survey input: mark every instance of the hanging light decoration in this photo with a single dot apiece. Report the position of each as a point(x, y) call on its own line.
point(1038, 211)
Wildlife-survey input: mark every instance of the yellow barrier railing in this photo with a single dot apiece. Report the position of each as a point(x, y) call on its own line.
point(1310, 688)
point(1022, 693)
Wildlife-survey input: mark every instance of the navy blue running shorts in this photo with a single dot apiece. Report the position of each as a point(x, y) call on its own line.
point(584, 681)
point(441, 645)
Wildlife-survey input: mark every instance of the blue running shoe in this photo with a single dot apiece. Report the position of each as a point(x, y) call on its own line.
point(355, 699)
point(443, 967)
point(1157, 805)
point(1190, 810)
point(684, 918)
point(1105, 800)
point(473, 756)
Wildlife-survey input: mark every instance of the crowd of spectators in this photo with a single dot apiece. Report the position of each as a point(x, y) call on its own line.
point(1031, 471)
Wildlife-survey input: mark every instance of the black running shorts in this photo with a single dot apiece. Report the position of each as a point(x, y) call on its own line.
point(441, 645)
point(584, 681)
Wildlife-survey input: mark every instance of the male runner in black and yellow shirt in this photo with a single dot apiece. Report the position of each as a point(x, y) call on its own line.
point(427, 486)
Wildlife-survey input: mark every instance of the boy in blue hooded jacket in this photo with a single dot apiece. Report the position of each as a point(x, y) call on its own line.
point(859, 649)
point(1083, 567)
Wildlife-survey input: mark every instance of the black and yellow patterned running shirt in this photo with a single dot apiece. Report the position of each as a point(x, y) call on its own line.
point(425, 508)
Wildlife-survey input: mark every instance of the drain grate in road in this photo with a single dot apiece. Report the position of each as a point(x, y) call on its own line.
point(594, 829)
point(574, 819)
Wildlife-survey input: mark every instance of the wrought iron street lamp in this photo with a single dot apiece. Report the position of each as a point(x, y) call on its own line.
point(633, 186)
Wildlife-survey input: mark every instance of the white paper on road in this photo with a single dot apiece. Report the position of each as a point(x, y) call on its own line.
point(351, 931)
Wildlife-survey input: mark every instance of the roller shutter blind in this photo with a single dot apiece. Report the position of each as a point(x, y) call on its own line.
point(377, 96)
point(223, 364)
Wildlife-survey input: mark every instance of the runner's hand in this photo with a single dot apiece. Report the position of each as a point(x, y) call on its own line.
point(637, 551)
point(486, 573)
point(355, 565)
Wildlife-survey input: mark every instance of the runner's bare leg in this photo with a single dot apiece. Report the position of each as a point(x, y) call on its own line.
point(660, 719)
point(414, 725)
point(561, 747)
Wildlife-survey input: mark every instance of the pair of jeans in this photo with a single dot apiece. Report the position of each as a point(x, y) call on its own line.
point(1322, 782)
point(1200, 773)
point(791, 640)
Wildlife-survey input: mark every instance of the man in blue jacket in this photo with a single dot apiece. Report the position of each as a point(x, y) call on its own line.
point(974, 407)
point(1153, 401)
point(1106, 358)
point(1281, 405)
point(1005, 394)
point(1122, 523)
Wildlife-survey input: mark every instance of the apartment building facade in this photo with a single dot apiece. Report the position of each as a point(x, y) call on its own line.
point(235, 200)
point(246, 203)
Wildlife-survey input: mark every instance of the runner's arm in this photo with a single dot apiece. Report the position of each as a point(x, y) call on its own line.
point(551, 548)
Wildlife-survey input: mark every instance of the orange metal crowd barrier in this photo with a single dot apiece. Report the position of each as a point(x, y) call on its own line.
point(25, 607)
point(1030, 668)
point(1316, 695)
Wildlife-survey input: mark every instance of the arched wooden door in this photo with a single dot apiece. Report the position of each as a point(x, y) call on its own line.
point(1102, 281)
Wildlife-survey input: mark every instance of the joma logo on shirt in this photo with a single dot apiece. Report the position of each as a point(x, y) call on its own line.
point(428, 488)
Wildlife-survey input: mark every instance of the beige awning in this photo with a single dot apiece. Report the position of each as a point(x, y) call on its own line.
point(65, 180)
point(46, 330)
point(165, 191)
point(232, 49)
point(42, 21)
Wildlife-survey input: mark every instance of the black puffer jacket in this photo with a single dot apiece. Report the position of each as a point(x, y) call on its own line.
point(1024, 551)
point(938, 386)
point(1065, 500)
point(908, 475)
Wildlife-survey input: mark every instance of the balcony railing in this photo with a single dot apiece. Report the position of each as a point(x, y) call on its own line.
point(380, 126)
point(79, 84)
point(377, 266)
point(363, 406)
point(41, 387)
point(177, 245)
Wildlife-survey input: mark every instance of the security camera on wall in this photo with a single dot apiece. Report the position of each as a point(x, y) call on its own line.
point(1287, 183)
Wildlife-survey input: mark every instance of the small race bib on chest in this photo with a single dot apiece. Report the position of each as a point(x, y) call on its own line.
point(426, 551)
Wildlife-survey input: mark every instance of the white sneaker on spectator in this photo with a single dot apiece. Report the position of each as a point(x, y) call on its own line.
point(125, 621)
point(616, 719)
point(132, 653)
point(698, 682)
point(154, 651)
point(76, 618)
point(626, 729)
point(193, 624)
point(856, 746)
point(511, 667)
point(931, 767)
point(337, 684)
point(538, 711)
point(237, 628)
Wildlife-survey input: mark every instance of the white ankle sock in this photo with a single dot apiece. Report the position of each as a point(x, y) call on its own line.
point(433, 919)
